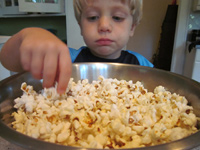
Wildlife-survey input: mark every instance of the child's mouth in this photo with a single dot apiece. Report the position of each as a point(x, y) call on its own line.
point(104, 42)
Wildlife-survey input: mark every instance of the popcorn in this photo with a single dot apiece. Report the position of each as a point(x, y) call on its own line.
point(107, 113)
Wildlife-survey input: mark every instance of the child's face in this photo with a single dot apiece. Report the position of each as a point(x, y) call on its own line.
point(106, 26)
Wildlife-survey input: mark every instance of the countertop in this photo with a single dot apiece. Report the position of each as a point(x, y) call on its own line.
point(5, 145)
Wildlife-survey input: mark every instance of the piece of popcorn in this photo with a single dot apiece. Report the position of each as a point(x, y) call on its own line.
point(57, 128)
point(63, 136)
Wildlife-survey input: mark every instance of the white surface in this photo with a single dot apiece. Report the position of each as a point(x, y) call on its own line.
point(3, 39)
point(8, 10)
point(4, 73)
point(196, 71)
point(41, 7)
point(25, 7)
point(192, 64)
point(196, 68)
point(178, 56)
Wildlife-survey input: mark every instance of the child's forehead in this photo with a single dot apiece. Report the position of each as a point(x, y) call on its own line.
point(87, 3)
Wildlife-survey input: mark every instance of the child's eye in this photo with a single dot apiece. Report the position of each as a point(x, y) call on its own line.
point(117, 18)
point(93, 18)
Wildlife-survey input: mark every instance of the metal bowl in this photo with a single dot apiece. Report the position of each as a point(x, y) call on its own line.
point(151, 77)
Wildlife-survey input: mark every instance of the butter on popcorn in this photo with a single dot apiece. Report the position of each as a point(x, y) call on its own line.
point(107, 113)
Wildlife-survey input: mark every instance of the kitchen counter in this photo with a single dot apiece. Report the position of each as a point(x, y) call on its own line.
point(5, 145)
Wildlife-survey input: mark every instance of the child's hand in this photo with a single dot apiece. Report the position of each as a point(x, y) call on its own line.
point(45, 56)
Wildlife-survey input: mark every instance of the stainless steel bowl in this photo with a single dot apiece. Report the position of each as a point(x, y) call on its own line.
point(151, 77)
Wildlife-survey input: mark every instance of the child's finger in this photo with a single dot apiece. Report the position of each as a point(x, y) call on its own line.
point(37, 65)
point(26, 60)
point(49, 69)
point(64, 71)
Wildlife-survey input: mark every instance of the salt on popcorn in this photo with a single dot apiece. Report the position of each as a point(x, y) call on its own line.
point(107, 113)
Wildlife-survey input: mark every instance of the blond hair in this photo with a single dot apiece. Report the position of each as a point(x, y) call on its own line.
point(135, 8)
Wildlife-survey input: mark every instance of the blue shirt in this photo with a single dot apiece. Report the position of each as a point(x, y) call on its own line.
point(83, 54)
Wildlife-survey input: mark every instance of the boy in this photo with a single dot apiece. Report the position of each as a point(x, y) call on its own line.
point(106, 26)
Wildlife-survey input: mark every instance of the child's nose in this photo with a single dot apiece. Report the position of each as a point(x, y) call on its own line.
point(105, 24)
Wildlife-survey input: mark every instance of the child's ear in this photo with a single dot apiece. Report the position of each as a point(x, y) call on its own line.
point(132, 30)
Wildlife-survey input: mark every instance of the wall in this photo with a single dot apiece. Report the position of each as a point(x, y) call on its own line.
point(147, 34)
point(74, 37)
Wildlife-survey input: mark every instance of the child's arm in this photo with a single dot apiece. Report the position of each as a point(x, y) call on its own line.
point(40, 52)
